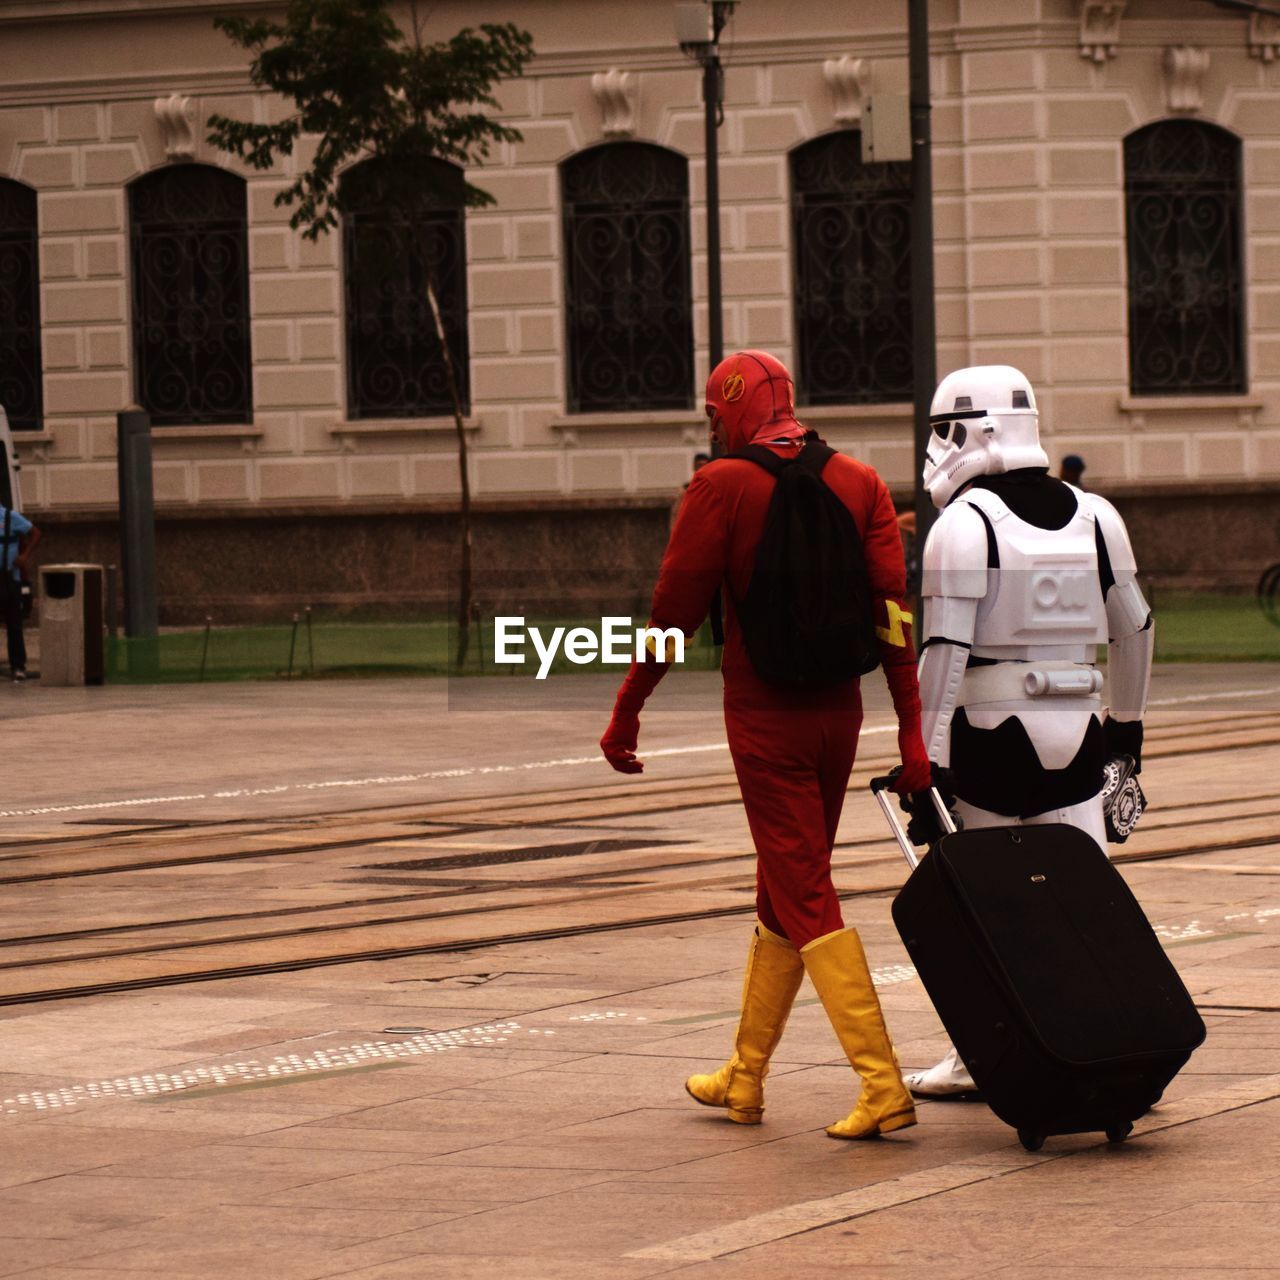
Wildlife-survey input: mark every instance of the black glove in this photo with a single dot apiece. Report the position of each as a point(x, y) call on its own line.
point(1124, 738)
point(925, 827)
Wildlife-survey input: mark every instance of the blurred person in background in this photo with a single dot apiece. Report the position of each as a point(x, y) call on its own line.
point(1071, 471)
point(20, 539)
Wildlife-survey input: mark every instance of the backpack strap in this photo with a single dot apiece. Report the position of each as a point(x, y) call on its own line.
point(763, 457)
point(815, 455)
point(812, 456)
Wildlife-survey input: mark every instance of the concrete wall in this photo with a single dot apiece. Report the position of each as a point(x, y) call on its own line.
point(567, 555)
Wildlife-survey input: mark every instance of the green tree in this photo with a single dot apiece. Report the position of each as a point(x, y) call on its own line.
point(364, 89)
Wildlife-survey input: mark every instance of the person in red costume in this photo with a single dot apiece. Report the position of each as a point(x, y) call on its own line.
point(792, 749)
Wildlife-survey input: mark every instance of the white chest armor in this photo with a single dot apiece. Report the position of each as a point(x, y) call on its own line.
point(1045, 600)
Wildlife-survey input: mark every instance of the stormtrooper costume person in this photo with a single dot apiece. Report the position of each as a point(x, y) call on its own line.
point(1023, 576)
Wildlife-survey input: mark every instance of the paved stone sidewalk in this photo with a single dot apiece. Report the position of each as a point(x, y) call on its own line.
point(518, 1110)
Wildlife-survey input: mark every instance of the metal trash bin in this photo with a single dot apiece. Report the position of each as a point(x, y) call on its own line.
point(72, 624)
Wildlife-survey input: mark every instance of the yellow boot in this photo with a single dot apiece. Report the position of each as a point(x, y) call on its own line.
point(837, 967)
point(774, 973)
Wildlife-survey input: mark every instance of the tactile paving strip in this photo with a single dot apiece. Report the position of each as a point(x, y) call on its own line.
point(151, 1085)
point(250, 1071)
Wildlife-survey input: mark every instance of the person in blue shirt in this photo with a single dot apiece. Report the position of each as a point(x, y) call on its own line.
point(20, 537)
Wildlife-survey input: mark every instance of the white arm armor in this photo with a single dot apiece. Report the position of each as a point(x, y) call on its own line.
point(942, 668)
point(1129, 626)
point(954, 581)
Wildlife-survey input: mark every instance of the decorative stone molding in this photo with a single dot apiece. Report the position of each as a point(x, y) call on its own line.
point(246, 435)
point(1264, 37)
point(1100, 28)
point(1185, 67)
point(616, 94)
point(39, 442)
point(176, 126)
point(350, 433)
point(1222, 409)
point(847, 78)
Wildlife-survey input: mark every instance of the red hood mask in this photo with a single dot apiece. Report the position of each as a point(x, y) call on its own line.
point(751, 396)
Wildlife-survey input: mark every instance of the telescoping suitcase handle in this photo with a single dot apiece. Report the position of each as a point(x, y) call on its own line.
point(878, 788)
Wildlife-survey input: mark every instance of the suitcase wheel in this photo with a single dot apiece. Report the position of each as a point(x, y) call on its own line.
point(1118, 1132)
point(1030, 1139)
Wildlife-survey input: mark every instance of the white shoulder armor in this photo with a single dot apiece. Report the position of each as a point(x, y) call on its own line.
point(955, 555)
point(1114, 534)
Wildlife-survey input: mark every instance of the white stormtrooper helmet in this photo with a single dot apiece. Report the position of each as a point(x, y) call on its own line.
point(984, 422)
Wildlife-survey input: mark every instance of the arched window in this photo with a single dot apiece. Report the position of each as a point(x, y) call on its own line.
point(394, 364)
point(851, 230)
point(1186, 282)
point(191, 296)
point(629, 307)
point(19, 306)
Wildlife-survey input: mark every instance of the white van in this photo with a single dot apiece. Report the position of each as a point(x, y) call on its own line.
point(10, 491)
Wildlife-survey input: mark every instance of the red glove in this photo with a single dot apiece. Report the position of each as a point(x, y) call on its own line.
point(916, 773)
point(619, 741)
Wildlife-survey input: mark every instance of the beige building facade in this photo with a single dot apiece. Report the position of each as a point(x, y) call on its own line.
point(1033, 102)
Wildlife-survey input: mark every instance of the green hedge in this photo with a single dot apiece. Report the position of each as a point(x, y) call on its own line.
point(1190, 627)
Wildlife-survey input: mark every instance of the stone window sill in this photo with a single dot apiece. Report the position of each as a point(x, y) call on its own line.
point(692, 424)
point(33, 437)
point(402, 426)
point(625, 421)
point(854, 412)
point(687, 417)
point(1245, 407)
point(213, 431)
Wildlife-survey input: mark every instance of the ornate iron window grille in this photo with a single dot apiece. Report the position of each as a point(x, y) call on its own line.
point(191, 296)
point(394, 364)
point(20, 381)
point(1186, 282)
point(629, 306)
point(851, 233)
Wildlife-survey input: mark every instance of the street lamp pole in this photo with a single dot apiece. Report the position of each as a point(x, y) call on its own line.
point(711, 82)
point(698, 28)
point(924, 353)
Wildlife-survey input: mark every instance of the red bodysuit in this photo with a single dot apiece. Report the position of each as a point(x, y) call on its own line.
point(792, 750)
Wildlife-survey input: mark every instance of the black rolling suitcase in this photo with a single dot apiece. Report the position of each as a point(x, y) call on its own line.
point(1046, 974)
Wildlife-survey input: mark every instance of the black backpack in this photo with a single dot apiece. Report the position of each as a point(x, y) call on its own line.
point(807, 616)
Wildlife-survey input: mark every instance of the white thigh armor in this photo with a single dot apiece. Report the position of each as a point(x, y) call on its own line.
point(1013, 614)
point(1087, 816)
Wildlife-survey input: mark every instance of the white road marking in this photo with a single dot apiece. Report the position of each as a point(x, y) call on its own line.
point(1182, 932)
point(1267, 913)
point(811, 1215)
point(888, 975)
point(475, 771)
point(377, 780)
point(1212, 697)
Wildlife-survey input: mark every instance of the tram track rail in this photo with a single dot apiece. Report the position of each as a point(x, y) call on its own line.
point(657, 799)
point(599, 896)
point(478, 943)
point(702, 859)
